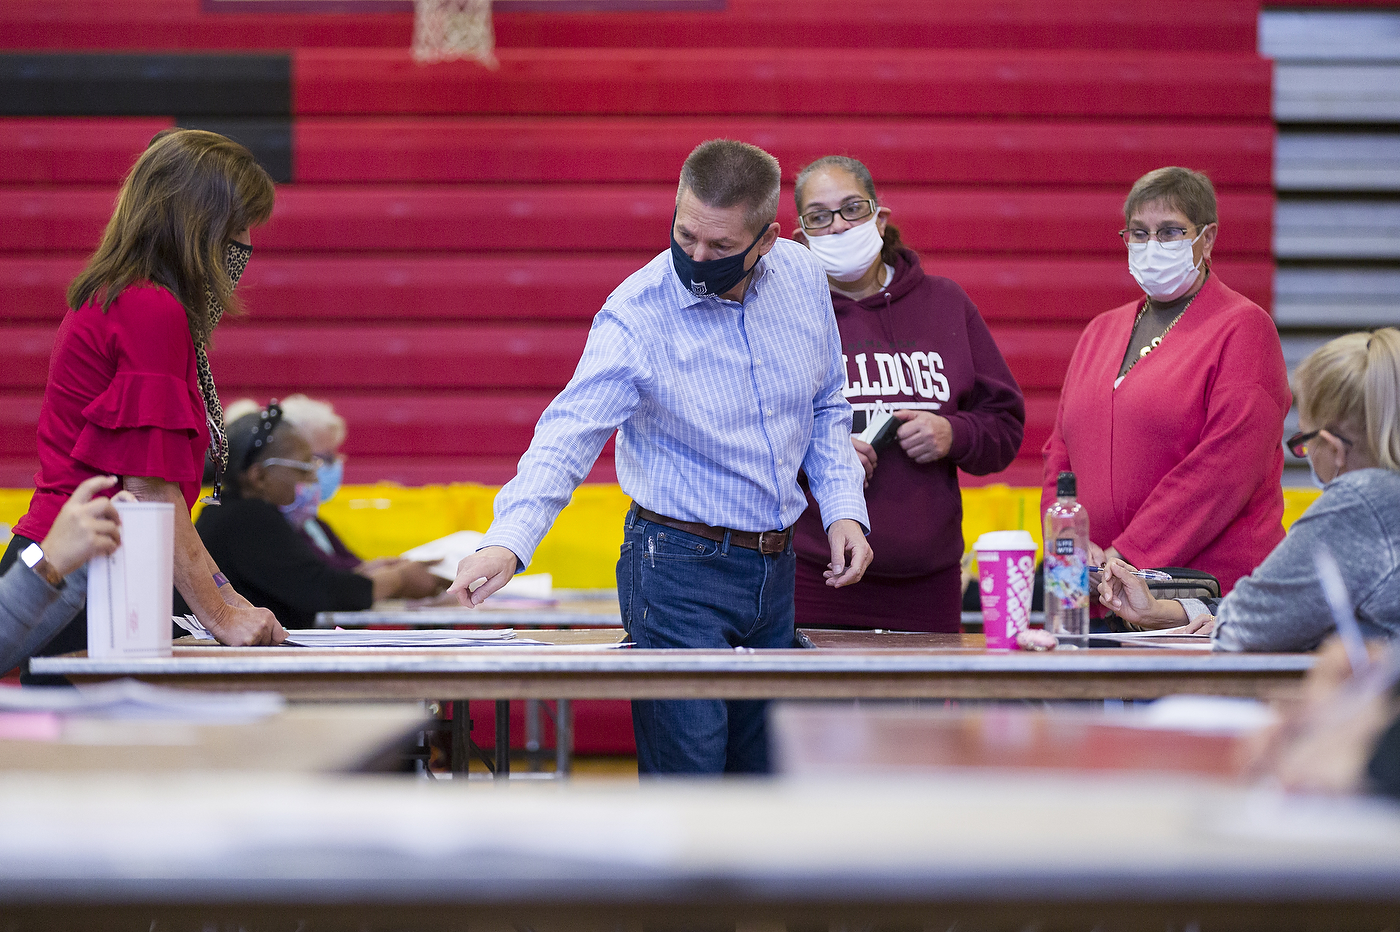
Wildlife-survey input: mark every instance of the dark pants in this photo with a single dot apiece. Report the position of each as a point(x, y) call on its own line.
point(677, 590)
point(71, 638)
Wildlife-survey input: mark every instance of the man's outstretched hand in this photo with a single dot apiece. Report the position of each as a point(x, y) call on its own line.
point(483, 573)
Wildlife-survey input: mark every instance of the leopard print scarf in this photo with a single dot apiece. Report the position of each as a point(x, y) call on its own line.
point(236, 257)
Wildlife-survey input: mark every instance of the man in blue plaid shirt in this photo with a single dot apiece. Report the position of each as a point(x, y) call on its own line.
point(719, 366)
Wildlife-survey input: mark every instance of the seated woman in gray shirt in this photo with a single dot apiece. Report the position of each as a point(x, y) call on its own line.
point(1348, 395)
point(43, 591)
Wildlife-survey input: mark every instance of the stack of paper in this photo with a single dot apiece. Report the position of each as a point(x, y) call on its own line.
point(133, 699)
point(340, 637)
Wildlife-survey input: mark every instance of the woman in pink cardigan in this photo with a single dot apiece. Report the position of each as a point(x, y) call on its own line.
point(1172, 409)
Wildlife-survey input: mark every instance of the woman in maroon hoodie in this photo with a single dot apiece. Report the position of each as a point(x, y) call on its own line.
point(914, 344)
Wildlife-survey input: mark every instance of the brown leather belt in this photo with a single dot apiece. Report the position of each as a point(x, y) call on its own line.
point(762, 541)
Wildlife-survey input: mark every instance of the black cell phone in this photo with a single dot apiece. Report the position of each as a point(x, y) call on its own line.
point(885, 434)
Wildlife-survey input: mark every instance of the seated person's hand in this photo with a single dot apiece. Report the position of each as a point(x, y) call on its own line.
point(492, 567)
point(369, 567)
point(1129, 597)
point(407, 579)
point(1201, 624)
point(1123, 592)
point(85, 527)
point(1098, 556)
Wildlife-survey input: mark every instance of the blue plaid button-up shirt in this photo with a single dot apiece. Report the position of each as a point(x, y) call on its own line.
point(717, 406)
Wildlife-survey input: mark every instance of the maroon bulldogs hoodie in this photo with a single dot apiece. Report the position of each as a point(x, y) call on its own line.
point(921, 343)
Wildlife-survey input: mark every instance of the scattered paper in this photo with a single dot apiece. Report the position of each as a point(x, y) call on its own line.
point(361, 637)
point(193, 626)
point(133, 699)
point(446, 552)
point(1214, 714)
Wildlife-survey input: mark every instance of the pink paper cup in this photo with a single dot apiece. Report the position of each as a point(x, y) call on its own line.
point(1006, 570)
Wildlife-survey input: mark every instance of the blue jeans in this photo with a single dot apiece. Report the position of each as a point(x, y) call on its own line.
point(678, 590)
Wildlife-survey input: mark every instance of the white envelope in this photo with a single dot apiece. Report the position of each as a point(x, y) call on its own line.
point(129, 592)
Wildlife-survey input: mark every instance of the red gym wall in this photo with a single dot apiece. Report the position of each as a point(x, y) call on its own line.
point(448, 231)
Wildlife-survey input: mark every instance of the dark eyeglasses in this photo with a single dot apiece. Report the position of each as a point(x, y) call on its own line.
point(821, 218)
point(1298, 443)
point(1136, 236)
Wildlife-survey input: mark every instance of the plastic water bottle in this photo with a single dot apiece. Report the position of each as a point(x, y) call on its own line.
point(1066, 561)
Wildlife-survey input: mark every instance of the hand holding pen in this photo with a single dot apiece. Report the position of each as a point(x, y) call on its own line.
point(1123, 588)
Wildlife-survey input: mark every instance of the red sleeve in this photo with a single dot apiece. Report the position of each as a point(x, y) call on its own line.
point(1209, 489)
point(148, 418)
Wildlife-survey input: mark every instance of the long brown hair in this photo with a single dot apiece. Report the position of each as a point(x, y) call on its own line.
point(189, 193)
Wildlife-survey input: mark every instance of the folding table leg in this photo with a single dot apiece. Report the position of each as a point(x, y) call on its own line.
point(534, 732)
point(563, 737)
point(502, 739)
point(461, 738)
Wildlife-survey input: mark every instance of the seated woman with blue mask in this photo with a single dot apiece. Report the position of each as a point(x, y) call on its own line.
point(1348, 395)
point(270, 465)
point(325, 430)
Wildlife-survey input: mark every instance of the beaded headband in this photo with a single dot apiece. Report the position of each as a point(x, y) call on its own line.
point(268, 420)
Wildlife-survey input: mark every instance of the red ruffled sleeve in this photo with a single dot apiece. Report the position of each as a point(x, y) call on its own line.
point(149, 419)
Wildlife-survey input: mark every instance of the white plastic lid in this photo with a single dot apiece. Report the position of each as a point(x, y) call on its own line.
point(1005, 540)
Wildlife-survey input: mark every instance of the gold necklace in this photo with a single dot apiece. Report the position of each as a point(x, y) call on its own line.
point(1156, 341)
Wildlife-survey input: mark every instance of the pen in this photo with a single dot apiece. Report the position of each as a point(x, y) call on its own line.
point(1140, 574)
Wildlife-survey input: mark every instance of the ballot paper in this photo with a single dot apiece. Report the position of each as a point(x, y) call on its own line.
point(430, 638)
point(447, 552)
point(361, 637)
point(193, 626)
point(130, 699)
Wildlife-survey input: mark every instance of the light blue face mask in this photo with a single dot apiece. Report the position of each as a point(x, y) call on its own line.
point(303, 507)
point(1317, 480)
point(330, 475)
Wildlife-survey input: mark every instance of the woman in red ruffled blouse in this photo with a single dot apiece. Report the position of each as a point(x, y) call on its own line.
point(129, 391)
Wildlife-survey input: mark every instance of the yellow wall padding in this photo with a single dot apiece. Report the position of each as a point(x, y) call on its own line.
point(581, 549)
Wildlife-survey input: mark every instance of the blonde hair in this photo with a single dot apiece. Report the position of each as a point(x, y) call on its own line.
point(240, 408)
point(1354, 381)
point(308, 415)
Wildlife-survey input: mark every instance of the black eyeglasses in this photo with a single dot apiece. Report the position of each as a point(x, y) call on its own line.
point(1298, 443)
point(1138, 236)
point(821, 218)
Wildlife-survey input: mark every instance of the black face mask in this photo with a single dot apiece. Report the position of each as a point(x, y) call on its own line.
point(713, 276)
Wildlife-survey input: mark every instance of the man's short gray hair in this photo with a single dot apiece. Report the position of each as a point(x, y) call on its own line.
point(727, 173)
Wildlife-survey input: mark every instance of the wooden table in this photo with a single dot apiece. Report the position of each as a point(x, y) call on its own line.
point(830, 739)
point(961, 671)
point(576, 608)
point(306, 738)
point(986, 850)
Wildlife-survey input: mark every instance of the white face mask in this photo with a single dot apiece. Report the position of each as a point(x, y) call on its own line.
point(1166, 271)
point(847, 255)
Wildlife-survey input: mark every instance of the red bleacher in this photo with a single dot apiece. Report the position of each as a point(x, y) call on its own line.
point(450, 230)
point(1226, 25)
point(518, 286)
point(459, 150)
point(614, 218)
point(884, 82)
